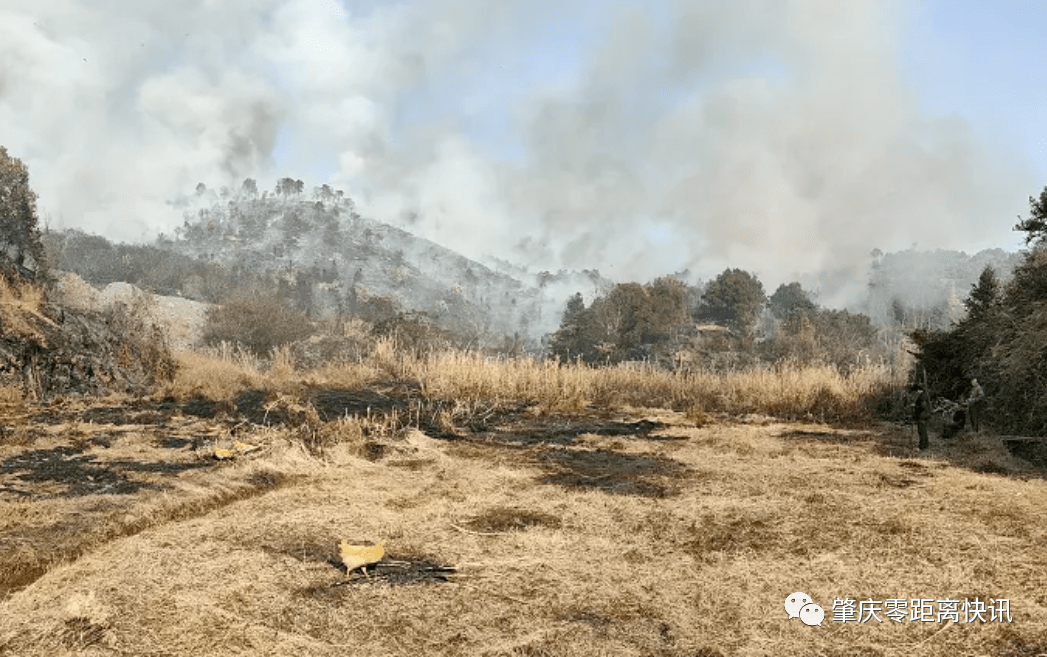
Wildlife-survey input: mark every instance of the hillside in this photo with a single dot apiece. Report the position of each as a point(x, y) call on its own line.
point(320, 242)
point(925, 289)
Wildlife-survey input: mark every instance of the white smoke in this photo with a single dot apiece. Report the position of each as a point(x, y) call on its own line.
point(778, 137)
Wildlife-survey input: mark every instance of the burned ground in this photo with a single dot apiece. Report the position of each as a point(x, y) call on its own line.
point(636, 532)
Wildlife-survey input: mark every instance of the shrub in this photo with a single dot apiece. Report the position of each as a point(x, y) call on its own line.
point(259, 323)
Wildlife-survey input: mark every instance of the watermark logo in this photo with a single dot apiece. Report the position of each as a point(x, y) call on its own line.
point(914, 610)
point(800, 605)
point(923, 610)
point(795, 602)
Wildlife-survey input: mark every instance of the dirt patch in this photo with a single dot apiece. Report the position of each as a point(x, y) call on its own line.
point(66, 471)
point(504, 519)
point(396, 570)
point(374, 451)
point(333, 404)
point(595, 620)
point(989, 466)
point(613, 472)
point(1032, 450)
point(561, 431)
point(393, 573)
point(80, 632)
point(712, 535)
point(307, 551)
point(897, 482)
point(267, 479)
point(822, 436)
point(330, 404)
point(177, 442)
point(251, 405)
point(207, 408)
point(123, 415)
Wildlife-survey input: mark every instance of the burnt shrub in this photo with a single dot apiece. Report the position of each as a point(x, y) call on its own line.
point(259, 323)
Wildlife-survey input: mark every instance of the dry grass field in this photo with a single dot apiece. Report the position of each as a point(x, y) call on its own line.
point(529, 509)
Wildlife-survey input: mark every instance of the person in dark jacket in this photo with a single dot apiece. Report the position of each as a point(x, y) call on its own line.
point(921, 413)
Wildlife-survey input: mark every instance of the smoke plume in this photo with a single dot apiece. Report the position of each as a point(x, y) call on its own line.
point(639, 138)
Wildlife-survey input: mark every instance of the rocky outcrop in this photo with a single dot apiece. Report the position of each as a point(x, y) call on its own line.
point(60, 352)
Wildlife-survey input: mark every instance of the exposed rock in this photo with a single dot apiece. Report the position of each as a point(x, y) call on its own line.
point(182, 320)
point(65, 351)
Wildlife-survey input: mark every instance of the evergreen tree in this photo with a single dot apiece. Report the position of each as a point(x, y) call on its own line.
point(1035, 226)
point(984, 294)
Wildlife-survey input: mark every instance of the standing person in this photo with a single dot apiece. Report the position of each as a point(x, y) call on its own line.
point(975, 402)
point(921, 413)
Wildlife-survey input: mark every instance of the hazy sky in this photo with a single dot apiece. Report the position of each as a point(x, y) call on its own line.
point(785, 137)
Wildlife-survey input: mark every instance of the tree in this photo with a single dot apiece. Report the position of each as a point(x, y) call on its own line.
point(293, 225)
point(250, 187)
point(788, 300)
point(569, 341)
point(288, 187)
point(734, 298)
point(323, 193)
point(21, 248)
point(573, 310)
point(669, 308)
point(984, 294)
point(626, 316)
point(1035, 226)
point(626, 323)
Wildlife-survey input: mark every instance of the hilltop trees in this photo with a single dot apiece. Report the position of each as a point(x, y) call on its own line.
point(21, 250)
point(289, 187)
point(805, 333)
point(734, 298)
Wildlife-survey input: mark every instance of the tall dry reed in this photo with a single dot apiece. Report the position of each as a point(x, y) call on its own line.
point(787, 391)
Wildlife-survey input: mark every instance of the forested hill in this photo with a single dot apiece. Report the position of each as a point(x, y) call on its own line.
point(926, 289)
point(320, 254)
point(315, 251)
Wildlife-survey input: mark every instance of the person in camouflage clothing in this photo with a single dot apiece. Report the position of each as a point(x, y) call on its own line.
point(921, 413)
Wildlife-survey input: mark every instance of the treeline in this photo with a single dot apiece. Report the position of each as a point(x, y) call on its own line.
point(728, 323)
point(1002, 341)
point(913, 289)
point(281, 223)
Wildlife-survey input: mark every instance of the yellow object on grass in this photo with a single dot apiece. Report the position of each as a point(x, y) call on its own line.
point(360, 556)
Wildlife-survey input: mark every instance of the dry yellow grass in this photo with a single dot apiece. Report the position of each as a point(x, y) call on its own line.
point(16, 302)
point(571, 534)
point(465, 378)
point(757, 512)
point(213, 377)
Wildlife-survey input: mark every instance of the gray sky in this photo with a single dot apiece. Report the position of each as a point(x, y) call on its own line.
point(784, 137)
